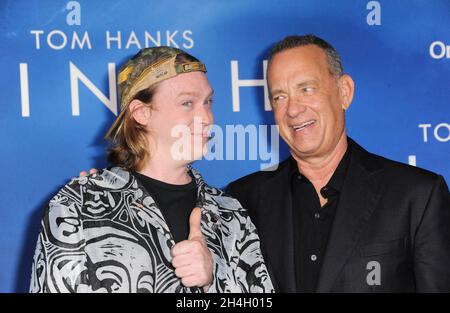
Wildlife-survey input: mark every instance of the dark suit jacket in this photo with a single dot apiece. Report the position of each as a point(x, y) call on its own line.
point(391, 213)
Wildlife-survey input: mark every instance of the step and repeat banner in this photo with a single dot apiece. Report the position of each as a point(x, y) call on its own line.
point(59, 60)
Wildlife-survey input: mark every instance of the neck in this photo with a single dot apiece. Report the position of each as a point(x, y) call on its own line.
point(319, 170)
point(164, 170)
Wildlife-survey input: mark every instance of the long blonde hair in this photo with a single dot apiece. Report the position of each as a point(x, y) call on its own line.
point(129, 145)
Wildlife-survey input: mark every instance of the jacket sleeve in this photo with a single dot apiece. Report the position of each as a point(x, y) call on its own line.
point(234, 242)
point(432, 242)
point(59, 263)
point(251, 268)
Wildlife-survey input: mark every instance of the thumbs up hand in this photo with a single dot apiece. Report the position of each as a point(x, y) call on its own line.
point(192, 260)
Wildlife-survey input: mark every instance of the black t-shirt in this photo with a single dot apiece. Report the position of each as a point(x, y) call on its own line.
point(175, 202)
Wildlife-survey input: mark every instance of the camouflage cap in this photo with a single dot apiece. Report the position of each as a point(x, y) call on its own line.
point(148, 67)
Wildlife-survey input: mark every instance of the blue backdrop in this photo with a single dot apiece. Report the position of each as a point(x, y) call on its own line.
point(59, 59)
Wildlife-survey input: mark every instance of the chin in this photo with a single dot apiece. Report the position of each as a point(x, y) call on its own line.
point(303, 145)
point(304, 149)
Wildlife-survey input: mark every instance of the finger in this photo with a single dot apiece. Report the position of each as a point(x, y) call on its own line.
point(181, 260)
point(186, 247)
point(83, 173)
point(190, 281)
point(195, 218)
point(184, 271)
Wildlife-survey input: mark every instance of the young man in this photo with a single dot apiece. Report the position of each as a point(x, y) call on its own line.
point(151, 223)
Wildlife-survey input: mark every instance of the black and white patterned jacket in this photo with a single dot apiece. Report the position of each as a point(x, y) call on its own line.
point(104, 233)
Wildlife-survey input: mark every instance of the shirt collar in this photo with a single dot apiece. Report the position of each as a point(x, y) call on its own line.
point(336, 181)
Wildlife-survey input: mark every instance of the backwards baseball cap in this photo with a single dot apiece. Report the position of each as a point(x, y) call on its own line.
point(148, 67)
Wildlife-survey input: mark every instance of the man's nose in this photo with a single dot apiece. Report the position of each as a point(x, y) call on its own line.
point(204, 115)
point(295, 107)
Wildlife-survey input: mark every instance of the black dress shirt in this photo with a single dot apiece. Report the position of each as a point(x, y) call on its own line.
point(312, 223)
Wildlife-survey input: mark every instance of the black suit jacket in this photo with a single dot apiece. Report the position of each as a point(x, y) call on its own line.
point(392, 221)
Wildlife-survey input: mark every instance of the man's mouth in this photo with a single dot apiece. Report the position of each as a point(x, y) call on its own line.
point(205, 132)
point(206, 135)
point(302, 126)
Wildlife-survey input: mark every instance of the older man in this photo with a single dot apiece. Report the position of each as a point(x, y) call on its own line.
point(334, 217)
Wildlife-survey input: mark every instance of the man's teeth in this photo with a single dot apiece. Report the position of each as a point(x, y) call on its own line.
point(303, 125)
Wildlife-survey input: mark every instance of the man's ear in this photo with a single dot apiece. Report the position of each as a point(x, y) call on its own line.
point(140, 111)
point(346, 90)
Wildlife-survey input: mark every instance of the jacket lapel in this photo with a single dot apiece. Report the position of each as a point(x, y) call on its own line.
point(275, 208)
point(360, 194)
point(144, 207)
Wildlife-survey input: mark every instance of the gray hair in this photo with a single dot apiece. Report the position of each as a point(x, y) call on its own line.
point(333, 57)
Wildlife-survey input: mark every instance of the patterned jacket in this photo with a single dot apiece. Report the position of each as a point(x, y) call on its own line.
point(104, 233)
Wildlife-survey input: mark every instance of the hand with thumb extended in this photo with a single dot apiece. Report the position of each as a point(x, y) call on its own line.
point(195, 230)
point(192, 259)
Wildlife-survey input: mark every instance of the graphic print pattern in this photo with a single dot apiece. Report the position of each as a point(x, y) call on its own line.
point(105, 233)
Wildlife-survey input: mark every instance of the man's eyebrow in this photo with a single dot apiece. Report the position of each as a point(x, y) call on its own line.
point(187, 93)
point(299, 85)
point(306, 83)
point(275, 91)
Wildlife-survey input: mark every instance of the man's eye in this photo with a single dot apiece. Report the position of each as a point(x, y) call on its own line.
point(308, 89)
point(209, 102)
point(187, 104)
point(278, 98)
